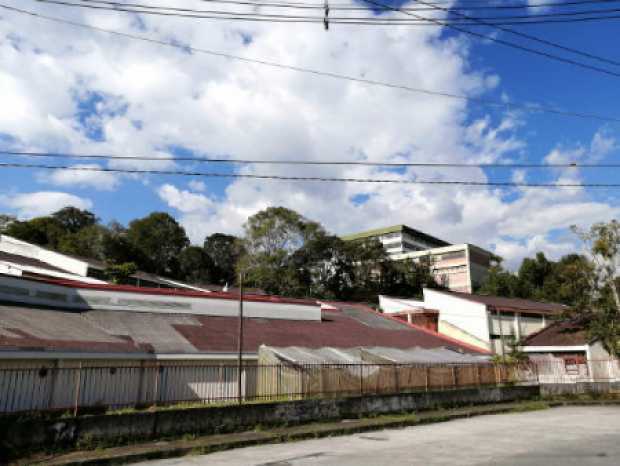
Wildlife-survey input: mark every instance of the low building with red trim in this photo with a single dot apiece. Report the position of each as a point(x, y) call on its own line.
point(564, 353)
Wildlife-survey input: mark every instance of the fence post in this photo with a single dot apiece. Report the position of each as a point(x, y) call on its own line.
point(78, 382)
point(53, 383)
point(497, 374)
point(156, 390)
point(361, 379)
point(426, 377)
point(396, 380)
point(454, 384)
point(477, 369)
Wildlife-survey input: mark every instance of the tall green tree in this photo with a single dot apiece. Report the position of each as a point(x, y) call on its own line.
point(72, 219)
point(160, 239)
point(224, 251)
point(196, 266)
point(44, 231)
point(272, 237)
point(88, 242)
point(502, 282)
point(599, 309)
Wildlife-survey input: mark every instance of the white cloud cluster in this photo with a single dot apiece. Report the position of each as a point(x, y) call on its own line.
point(84, 91)
point(28, 205)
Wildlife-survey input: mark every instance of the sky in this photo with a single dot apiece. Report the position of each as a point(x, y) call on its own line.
point(74, 90)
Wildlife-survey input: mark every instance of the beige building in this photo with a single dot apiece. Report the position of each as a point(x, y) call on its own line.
point(459, 267)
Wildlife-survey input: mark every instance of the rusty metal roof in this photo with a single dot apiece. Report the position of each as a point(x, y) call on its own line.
point(509, 304)
point(27, 328)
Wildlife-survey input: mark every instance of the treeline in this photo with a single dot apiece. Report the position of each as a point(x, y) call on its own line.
point(155, 244)
point(280, 252)
point(565, 281)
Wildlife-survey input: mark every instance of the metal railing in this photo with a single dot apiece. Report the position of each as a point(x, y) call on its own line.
point(108, 388)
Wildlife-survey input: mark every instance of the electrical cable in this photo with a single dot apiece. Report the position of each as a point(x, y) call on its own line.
point(511, 44)
point(313, 178)
point(574, 165)
point(327, 74)
point(374, 18)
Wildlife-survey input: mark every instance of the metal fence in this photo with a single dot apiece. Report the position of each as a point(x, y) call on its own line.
point(105, 388)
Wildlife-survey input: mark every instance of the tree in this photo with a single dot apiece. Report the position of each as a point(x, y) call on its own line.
point(272, 237)
point(87, 242)
point(570, 280)
point(501, 282)
point(119, 274)
point(224, 251)
point(599, 309)
point(44, 231)
point(160, 239)
point(72, 219)
point(195, 265)
point(5, 221)
point(533, 274)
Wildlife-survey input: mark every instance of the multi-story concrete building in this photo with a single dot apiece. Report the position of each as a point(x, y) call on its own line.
point(459, 267)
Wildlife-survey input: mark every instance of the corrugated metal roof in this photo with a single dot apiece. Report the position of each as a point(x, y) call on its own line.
point(23, 327)
point(567, 333)
point(502, 303)
point(379, 354)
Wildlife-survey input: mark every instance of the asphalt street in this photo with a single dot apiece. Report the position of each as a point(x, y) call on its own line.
point(560, 436)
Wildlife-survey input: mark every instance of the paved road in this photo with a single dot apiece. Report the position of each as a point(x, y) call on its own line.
point(559, 436)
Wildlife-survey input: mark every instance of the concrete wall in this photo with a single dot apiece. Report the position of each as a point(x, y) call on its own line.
point(579, 388)
point(36, 434)
point(451, 330)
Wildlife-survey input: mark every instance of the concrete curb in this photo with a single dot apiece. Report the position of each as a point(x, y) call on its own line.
point(213, 443)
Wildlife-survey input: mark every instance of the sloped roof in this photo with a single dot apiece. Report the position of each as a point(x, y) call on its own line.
point(26, 328)
point(28, 261)
point(566, 333)
point(508, 304)
point(382, 355)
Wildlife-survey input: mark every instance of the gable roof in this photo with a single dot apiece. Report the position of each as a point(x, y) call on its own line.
point(508, 304)
point(565, 333)
point(27, 328)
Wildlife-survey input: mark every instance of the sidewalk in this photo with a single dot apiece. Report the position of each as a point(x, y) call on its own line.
point(212, 443)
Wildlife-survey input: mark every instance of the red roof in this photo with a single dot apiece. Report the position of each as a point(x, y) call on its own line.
point(566, 333)
point(26, 328)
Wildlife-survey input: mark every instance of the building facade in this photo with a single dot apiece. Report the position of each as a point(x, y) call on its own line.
point(459, 267)
point(491, 323)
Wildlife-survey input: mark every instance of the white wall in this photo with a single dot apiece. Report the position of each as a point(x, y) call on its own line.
point(467, 315)
point(391, 305)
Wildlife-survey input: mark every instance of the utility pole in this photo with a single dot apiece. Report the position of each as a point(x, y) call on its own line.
point(240, 342)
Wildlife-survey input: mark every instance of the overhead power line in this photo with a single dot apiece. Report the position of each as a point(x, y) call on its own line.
point(350, 7)
point(508, 43)
point(63, 155)
point(435, 21)
point(313, 178)
point(481, 101)
point(214, 14)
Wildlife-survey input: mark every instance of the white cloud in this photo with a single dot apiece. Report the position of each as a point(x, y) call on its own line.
point(156, 98)
point(28, 205)
point(103, 181)
point(196, 185)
